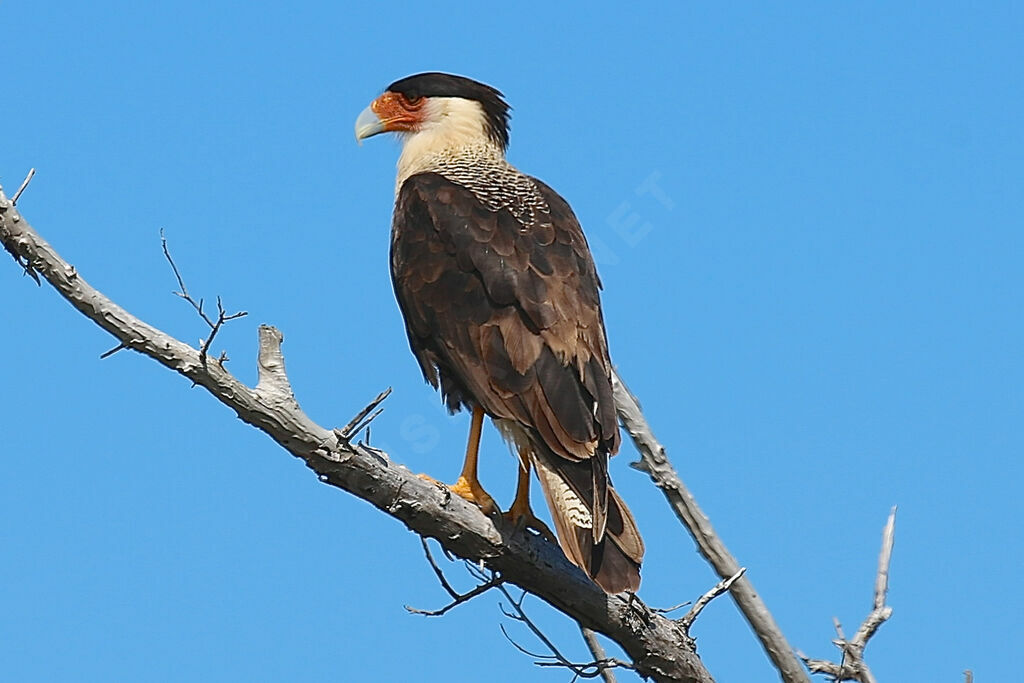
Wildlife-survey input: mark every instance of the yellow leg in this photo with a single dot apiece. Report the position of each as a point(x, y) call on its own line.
point(520, 512)
point(468, 486)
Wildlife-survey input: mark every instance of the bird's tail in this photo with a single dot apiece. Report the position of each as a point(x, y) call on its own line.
point(612, 556)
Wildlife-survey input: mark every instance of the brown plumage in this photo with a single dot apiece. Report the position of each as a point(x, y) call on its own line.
point(509, 317)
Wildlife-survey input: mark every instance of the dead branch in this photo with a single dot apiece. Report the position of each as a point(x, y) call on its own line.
point(111, 352)
point(457, 598)
point(594, 645)
point(673, 608)
point(356, 424)
point(215, 325)
point(851, 666)
point(657, 646)
point(654, 461)
point(704, 600)
point(24, 184)
point(556, 658)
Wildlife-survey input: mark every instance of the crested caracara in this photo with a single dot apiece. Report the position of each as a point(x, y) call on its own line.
point(501, 304)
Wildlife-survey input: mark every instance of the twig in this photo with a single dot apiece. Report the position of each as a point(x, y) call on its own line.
point(222, 315)
point(669, 610)
point(884, 558)
point(356, 424)
point(594, 645)
point(654, 461)
point(851, 666)
point(181, 283)
point(24, 184)
point(107, 354)
point(457, 598)
point(13, 247)
point(520, 616)
point(437, 570)
point(722, 586)
point(556, 658)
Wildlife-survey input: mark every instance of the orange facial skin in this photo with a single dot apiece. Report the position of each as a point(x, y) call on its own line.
point(397, 113)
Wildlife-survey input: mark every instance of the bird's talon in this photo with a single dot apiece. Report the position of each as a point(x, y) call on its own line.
point(465, 490)
point(447, 492)
point(527, 520)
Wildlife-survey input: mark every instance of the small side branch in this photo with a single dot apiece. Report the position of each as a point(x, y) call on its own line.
point(362, 419)
point(556, 658)
point(721, 587)
point(594, 645)
point(851, 666)
point(107, 354)
point(457, 598)
point(214, 325)
point(24, 184)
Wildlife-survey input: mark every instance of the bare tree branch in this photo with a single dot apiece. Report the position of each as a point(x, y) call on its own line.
point(673, 608)
point(851, 666)
point(556, 658)
point(654, 461)
point(704, 600)
point(457, 598)
point(24, 184)
point(215, 325)
point(594, 645)
point(111, 352)
point(658, 646)
point(356, 424)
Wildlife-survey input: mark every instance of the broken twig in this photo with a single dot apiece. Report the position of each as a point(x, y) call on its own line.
point(356, 424)
point(721, 587)
point(24, 184)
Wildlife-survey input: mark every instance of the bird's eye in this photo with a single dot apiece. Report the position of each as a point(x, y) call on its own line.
point(412, 101)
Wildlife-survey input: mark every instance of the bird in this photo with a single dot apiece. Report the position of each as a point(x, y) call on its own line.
point(501, 302)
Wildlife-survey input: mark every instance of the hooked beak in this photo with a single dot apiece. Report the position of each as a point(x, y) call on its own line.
point(368, 124)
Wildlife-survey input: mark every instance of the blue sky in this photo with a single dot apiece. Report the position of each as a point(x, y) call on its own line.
point(808, 222)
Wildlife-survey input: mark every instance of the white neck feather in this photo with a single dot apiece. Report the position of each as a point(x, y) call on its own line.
point(451, 125)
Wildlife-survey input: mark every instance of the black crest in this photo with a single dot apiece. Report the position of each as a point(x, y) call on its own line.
point(434, 84)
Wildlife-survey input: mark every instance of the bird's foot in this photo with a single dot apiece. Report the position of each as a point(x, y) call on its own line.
point(523, 518)
point(471, 491)
point(474, 493)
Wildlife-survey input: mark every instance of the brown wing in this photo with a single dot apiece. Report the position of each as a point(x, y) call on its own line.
point(508, 316)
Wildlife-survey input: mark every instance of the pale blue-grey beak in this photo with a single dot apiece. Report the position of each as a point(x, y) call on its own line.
point(368, 124)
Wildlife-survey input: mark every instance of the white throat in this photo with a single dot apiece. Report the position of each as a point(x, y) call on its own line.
point(452, 127)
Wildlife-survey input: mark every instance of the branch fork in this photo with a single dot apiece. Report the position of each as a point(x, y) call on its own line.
point(214, 325)
point(851, 666)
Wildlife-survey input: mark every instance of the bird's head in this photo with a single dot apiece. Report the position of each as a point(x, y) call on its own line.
point(439, 109)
